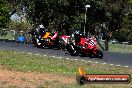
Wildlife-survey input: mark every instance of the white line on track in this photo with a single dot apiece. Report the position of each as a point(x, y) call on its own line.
point(96, 62)
point(23, 52)
point(118, 65)
point(67, 58)
point(37, 54)
point(82, 60)
point(126, 66)
point(72, 59)
point(29, 53)
point(89, 61)
point(104, 63)
point(53, 56)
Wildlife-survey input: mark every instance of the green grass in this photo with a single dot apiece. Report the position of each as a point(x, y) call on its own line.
point(33, 63)
point(75, 85)
point(119, 48)
point(8, 36)
point(25, 62)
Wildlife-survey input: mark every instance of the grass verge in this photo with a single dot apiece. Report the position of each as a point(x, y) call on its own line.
point(119, 48)
point(8, 37)
point(68, 68)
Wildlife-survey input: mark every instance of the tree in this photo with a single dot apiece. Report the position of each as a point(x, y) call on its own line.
point(66, 15)
point(18, 7)
point(116, 13)
point(19, 26)
point(111, 13)
point(63, 15)
point(4, 13)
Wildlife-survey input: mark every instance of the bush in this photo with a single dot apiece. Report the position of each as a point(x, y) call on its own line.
point(3, 32)
point(19, 26)
point(130, 38)
point(123, 35)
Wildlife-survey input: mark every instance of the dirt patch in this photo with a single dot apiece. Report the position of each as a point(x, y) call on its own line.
point(15, 79)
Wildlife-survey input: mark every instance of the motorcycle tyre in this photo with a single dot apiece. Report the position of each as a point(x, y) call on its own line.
point(100, 54)
point(70, 50)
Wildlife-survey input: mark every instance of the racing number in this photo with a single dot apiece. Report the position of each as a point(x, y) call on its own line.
point(91, 42)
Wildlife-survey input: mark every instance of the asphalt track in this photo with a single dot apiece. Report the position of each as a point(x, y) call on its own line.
point(112, 58)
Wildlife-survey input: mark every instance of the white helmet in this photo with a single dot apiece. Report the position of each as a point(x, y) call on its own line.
point(41, 26)
point(77, 32)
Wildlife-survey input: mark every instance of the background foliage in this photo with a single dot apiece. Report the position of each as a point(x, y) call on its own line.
point(4, 13)
point(67, 15)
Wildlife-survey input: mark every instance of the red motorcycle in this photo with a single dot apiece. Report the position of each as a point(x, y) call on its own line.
point(84, 46)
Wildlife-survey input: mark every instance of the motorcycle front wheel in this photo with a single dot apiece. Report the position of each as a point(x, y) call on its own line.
point(71, 49)
point(39, 44)
point(100, 54)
